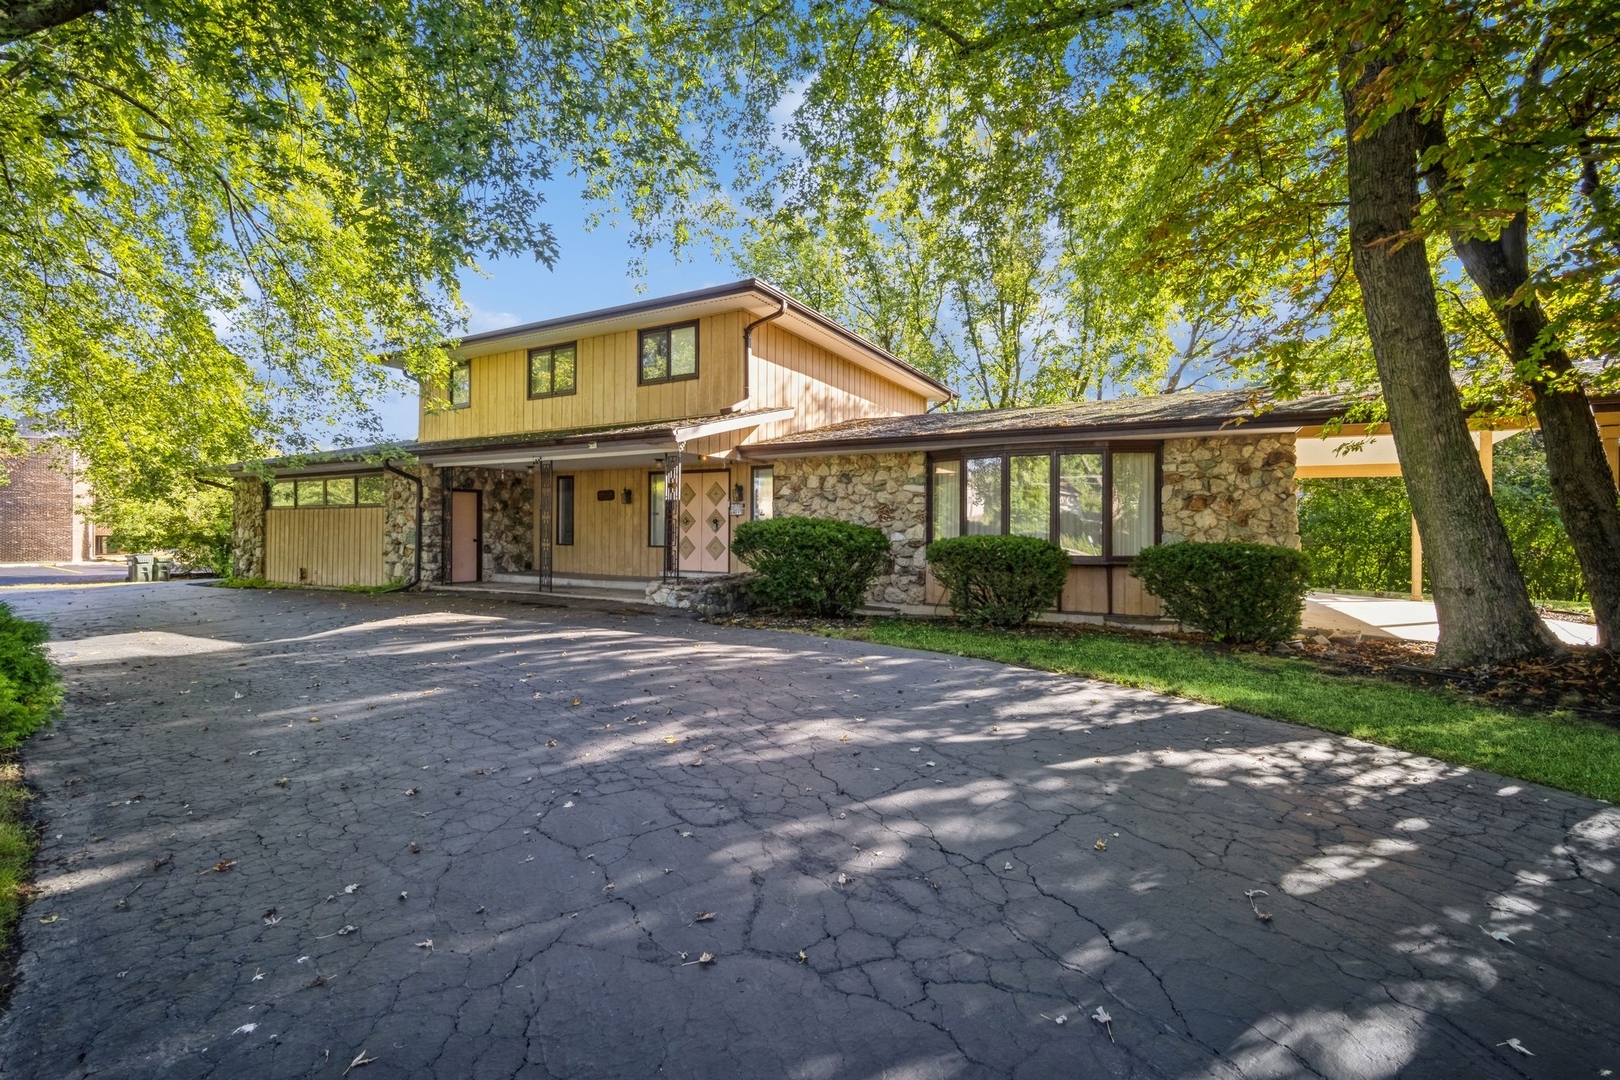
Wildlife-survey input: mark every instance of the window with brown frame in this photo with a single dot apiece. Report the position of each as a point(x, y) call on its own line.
point(461, 385)
point(655, 509)
point(552, 370)
point(668, 353)
point(1098, 503)
point(564, 511)
point(337, 491)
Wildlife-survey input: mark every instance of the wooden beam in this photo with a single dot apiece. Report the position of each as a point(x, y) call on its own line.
point(1417, 562)
point(1348, 431)
point(1348, 469)
point(1487, 456)
point(1613, 447)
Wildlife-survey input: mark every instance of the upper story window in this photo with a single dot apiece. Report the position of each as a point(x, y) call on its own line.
point(461, 384)
point(668, 353)
point(552, 370)
point(1096, 503)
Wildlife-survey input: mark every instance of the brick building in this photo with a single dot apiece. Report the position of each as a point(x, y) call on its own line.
point(39, 509)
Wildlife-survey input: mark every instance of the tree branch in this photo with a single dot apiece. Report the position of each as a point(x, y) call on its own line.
point(1001, 35)
point(23, 18)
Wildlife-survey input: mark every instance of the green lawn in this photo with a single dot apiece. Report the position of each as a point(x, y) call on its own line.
point(1558, 750)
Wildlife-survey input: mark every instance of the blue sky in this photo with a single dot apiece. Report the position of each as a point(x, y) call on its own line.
point(593, 271)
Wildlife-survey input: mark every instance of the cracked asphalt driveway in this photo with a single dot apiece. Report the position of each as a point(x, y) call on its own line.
point(474, 839)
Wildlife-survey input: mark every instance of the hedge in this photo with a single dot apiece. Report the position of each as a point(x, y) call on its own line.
point(29, 688)
point(999, 580)
point(1232, 592)
point(810, 566)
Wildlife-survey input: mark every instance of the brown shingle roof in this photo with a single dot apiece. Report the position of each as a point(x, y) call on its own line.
point(1160, 414)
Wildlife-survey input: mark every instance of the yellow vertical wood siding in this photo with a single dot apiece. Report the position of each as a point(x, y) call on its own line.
point(607, 391)
point(822, 388)
point(610, 538)
point(334, 546)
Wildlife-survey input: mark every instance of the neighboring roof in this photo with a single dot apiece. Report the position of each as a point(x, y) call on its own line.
point(1158, 415)
point(651, 432)
point(758, 297)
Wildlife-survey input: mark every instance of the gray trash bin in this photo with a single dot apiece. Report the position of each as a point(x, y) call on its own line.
point(162, 567)
point(140, 567)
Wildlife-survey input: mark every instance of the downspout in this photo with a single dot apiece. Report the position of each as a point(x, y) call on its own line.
point(416, 547)
point(748, 346)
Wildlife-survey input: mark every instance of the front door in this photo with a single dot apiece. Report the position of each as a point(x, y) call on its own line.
point(705, 522)
point(465, 535)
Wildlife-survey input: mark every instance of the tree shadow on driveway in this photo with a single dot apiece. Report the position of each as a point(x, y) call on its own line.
point(917, 865)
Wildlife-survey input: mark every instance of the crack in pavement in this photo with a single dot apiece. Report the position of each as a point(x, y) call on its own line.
point(556, 854)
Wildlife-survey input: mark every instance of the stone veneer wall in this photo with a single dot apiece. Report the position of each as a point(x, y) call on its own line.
point(888, 491)
point(1230, 487)
point(507, 528)
point(399, 526)
point(247, 528)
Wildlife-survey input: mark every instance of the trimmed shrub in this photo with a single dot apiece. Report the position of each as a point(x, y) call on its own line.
point(29, 688)
point(1232, 592)
point(999, 580)
point(810, 566)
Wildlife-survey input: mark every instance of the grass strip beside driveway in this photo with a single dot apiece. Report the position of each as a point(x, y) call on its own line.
point(1556, 749)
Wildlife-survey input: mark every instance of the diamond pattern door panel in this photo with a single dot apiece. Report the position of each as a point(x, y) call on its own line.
point(705, 522)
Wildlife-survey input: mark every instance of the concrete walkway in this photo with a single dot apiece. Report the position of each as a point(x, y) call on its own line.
point(471, 839)
point(1413, 620)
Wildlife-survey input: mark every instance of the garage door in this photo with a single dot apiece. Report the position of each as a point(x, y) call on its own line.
point(324, 546)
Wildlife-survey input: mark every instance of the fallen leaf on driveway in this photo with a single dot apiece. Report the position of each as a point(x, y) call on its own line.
point(551, 742)
point(845, 879)
point(684, 832)
point(1499, 935)
point(1102, 1017)
point(1515, 1044)
point(705, 958)
point(1101, 845)
point(359, 1060)
point(348, 928)
point(428, 944)
point(351, 888)
point(804, 957)
point(219, 867)
point(158, 864)
point(411, 791)
point(47, 920)
point(703, 916)
point(282, 782)
point(246, 1029)
point(1009, 866)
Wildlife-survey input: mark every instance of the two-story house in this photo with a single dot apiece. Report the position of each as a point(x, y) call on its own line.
point(620, 448)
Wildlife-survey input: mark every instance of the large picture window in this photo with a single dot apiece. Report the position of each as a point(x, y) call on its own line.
point(668, 353)
point(552, 370)
point(1095, 503)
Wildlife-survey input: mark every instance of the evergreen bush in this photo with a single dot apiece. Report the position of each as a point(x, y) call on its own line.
point(29, 688)
point(810, 566)
point(1232, 592)
point(999, 580)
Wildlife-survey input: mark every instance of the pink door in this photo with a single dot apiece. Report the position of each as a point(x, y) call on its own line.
point(464, 535)
point(705, 522)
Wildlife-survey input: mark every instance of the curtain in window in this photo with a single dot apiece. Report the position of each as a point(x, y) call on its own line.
point(764, 493)
point(1133, 503)
point(1029, 510)
point(1080, 503)
point(983, 495)
point(947, 499)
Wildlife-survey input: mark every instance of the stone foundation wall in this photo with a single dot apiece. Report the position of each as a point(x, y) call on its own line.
point(247, 528)
point(888, 491)
point(432, 524)
point(703, 596)
point(1230, 488)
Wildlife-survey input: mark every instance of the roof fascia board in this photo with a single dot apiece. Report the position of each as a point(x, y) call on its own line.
point(688, 432)
point(1092, 433)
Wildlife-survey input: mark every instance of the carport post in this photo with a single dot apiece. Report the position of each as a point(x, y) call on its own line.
point(1417, 562)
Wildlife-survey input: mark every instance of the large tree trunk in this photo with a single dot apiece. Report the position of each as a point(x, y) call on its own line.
point(1484, 611)
point(1575, 460)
